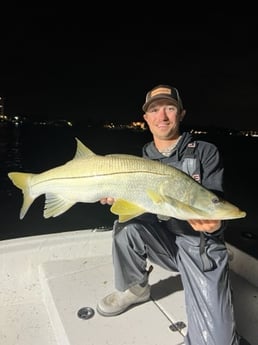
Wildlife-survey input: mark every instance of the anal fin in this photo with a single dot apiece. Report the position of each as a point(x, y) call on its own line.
point(56, 205)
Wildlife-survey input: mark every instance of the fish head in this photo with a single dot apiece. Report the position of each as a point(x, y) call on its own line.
point(205, 204)
point(208, 208)
point(222, 209)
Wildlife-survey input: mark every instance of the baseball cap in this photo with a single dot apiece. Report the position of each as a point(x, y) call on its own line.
point(163, 92)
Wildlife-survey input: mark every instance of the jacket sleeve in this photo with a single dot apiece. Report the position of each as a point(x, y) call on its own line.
point(212, 170)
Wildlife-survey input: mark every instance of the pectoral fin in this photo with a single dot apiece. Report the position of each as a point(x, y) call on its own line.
point(155, 197)
point(55, 205)
point(126, 210)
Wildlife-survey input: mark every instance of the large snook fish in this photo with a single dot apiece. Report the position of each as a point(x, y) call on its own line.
point(138, 185)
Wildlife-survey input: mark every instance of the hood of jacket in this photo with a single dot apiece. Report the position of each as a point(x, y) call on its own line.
point(150, 151)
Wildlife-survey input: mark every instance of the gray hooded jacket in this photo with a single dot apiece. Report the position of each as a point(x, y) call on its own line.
point(199, 159)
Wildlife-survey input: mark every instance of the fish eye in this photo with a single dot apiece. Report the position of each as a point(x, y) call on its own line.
point(215, 200)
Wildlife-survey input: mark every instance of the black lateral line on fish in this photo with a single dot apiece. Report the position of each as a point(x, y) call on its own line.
point(99, 175)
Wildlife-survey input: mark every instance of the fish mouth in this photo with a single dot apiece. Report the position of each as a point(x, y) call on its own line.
point(239, 214)
point(228, 215)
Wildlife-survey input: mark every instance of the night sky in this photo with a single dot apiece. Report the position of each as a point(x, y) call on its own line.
point(70, 63)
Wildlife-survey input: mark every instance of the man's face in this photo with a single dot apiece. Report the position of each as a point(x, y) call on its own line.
point(163, 119)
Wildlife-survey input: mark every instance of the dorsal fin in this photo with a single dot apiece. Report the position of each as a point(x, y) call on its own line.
point(82, 151)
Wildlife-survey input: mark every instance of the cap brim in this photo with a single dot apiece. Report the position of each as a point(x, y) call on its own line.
point(157, 98)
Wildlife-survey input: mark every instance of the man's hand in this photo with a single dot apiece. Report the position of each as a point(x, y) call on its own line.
point(205, 225)
point(108, 201)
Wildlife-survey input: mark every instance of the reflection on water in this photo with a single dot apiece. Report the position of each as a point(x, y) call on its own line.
point(10, 153)
point(36, 149)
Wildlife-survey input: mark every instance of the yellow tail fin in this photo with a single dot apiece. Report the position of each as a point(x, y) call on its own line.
point(21, 180)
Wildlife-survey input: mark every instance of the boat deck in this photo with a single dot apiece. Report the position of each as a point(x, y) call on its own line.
point(47, 279)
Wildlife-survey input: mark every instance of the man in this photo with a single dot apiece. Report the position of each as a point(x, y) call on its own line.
point(194, 248)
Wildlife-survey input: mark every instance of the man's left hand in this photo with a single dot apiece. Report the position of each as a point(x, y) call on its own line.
point(205, 225)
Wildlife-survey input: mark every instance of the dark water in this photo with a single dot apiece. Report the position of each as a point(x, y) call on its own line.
point(38, 148)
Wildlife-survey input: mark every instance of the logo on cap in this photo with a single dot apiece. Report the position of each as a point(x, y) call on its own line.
point(161, 90)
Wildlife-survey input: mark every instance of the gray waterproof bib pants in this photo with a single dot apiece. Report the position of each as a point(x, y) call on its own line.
point(208, 296)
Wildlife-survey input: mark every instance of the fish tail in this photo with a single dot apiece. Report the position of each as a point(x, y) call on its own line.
point(21, 180)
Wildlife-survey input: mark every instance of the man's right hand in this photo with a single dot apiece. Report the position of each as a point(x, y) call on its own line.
point(108, 201)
